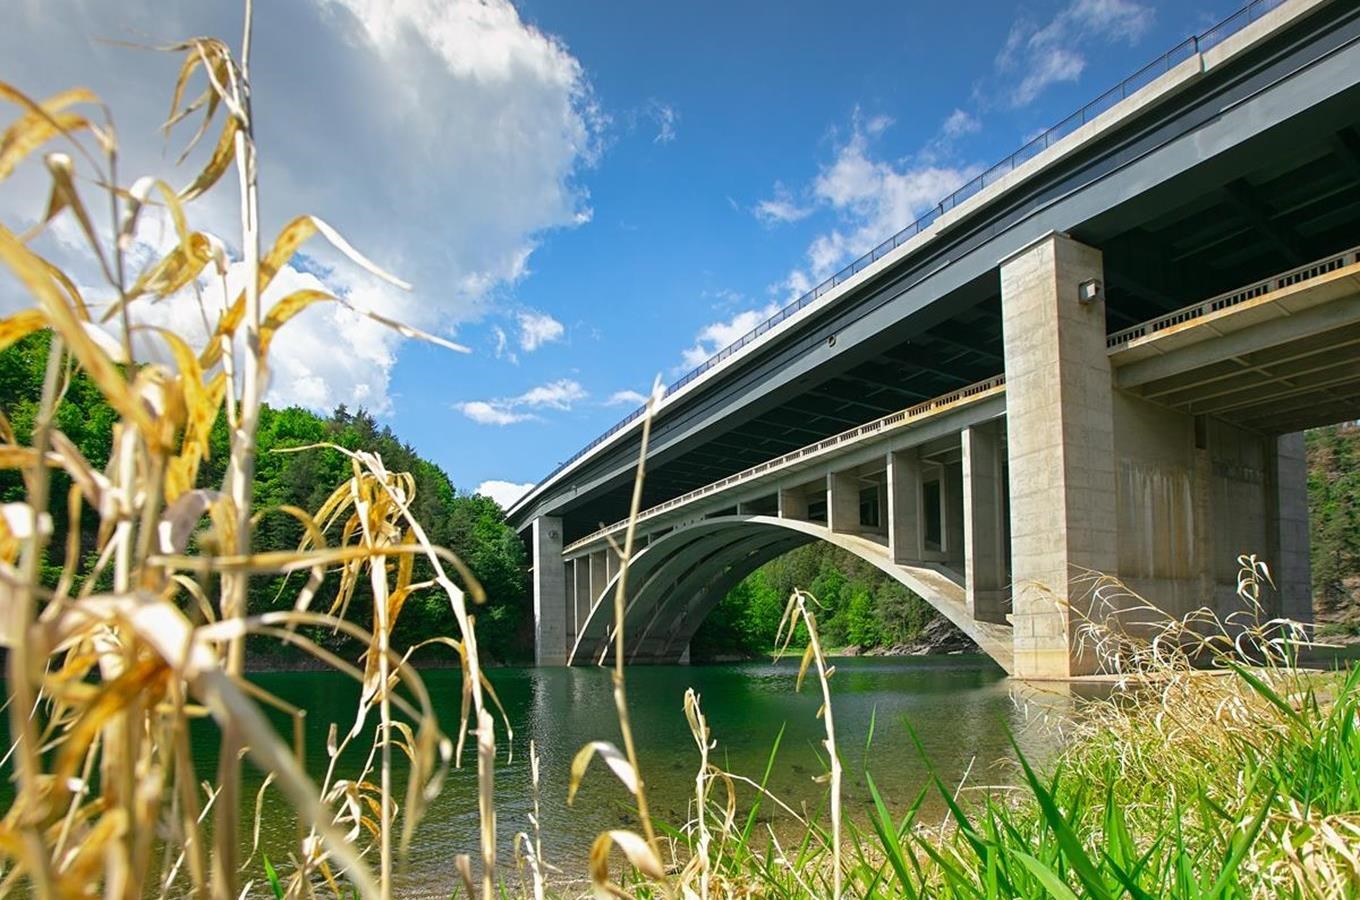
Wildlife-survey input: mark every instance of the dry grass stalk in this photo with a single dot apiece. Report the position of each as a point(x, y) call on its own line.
point(108, 667)
point(799, 611)
point(642, 852)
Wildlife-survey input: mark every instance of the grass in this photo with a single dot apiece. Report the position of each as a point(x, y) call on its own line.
point(1194, 784)
point(1244, 783)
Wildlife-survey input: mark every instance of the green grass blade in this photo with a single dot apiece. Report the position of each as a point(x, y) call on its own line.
point(272, 877)
point(888, 836)
point(1267, 692)
point(1047, 877)
point(1072, 850)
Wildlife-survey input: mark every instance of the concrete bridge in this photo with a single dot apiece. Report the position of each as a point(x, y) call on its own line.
point(1099, 357)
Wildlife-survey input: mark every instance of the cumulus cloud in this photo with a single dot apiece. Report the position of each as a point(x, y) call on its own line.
point(442, 138)
point(537, 329)
point(1036, 57)
point(717, 335)
point(504, 492)
point(560, 395)
point(626, 398)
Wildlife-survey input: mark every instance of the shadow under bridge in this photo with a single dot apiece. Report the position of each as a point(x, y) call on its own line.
point(678, 578)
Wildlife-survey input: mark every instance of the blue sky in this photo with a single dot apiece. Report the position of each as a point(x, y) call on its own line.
point(589, 194)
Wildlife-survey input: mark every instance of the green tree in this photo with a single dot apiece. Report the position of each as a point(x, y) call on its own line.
point(472, 526)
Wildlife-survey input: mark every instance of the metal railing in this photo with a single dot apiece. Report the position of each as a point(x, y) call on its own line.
point(1145, 76)
point(911, 414)
point(1232, 298)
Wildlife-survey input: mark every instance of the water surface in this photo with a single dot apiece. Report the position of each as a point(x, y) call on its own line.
point(961, 708)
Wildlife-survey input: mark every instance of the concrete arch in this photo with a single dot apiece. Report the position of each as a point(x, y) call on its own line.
point(677, 579)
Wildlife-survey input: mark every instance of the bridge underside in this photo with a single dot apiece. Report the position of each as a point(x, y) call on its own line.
point(677, 580)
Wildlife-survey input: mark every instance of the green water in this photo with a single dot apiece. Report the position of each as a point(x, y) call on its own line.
point(960, 706)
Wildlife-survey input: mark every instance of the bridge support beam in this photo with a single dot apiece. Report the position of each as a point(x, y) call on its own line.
point(1290, 553)
point(550, 593)
point(984, 531)
point(1060, 442)
point(580, 568)
point(793, 504)
point(904, 505)
point(842, 502)
point(599, 574)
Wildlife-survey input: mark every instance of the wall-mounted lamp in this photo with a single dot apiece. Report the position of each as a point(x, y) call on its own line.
point(1090, 291)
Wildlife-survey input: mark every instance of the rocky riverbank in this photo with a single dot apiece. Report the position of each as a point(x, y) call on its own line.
point(939, 637)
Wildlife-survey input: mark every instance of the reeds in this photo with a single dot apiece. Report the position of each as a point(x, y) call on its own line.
point(109, 666)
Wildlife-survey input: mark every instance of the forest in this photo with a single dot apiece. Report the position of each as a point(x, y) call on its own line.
point(471, 525)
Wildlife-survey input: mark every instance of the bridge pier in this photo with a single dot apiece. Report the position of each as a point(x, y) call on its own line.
point(904, 505)
point(550, 593)
point(984, 529)
point(1290, 549)
point(582, 598)
point(1060, 444)
point(842, 502)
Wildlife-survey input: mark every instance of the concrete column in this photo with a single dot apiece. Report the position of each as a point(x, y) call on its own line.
point(951, 509)
point(1290, 561)
point(984, 532)
point(1060, 440)
point(550, 593)
point(599, 574)
point(842, 502)
point(904, 505)
point(581, 573)
point(793, 504)
point(611, 565)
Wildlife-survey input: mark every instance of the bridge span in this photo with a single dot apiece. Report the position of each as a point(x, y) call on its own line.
point(1102, 359)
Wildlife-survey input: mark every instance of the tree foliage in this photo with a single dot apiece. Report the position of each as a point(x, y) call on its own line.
point(859, 604)
point(471, 525)
point(1334, 506)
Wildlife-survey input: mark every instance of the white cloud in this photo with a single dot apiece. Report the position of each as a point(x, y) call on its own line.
point(561, 395)
point(872, 198)
point(626, 398)
point(960, 123)
point(780, 208)
point(1040, 56)
point(502, 350)
point(717, 335)
point(665, 117)
point(442, 137)
point(504, 492)
point(485, 412)
point(537, 329)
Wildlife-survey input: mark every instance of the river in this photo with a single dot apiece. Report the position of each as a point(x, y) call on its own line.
point(961, 707)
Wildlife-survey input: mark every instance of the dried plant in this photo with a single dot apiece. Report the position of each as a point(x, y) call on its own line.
point(109, 666)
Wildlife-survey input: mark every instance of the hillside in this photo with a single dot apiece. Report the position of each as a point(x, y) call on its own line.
point(1334, 504)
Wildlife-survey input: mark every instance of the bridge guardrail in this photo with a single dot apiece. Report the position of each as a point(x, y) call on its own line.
point(1186, 49)
point(1231, 298)
point(936, 404)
